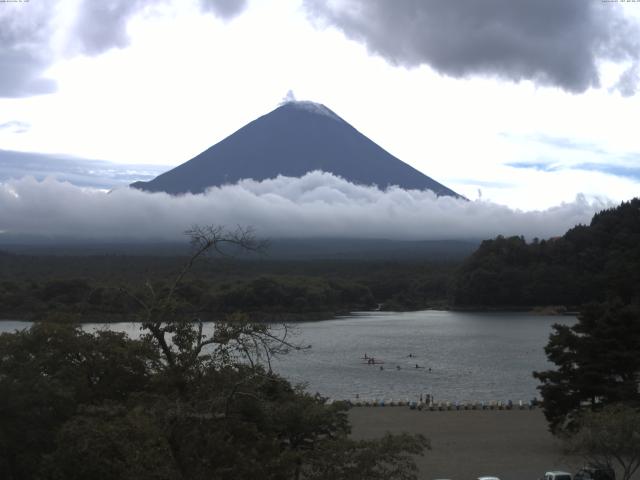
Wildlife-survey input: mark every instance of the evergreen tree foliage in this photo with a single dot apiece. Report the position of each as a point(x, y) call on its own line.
point(598, 363)
point(587, 264)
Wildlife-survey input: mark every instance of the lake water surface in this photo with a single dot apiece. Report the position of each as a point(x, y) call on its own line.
point(472, 356)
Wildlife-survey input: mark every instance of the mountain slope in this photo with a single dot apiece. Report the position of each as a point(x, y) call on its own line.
point(295, 138)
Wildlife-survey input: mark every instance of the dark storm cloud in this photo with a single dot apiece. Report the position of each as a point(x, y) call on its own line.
point(315, 205)
point(24, 54)
point(225, 9)
point(551, 42)
point(628, 81)
point(102, 25)
point(26, 31)
point(21, 74)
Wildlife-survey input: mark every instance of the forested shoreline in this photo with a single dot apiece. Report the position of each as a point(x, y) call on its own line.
point(90, 288)
point(589, 263)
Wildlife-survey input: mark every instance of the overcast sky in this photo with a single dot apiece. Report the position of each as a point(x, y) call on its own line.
point(526, 104)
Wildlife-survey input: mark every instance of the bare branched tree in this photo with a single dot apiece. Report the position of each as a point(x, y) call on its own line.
point(185, 347)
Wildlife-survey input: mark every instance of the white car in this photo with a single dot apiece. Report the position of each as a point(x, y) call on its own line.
point(488, 478)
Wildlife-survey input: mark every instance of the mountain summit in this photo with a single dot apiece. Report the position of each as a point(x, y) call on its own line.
point(296, 138)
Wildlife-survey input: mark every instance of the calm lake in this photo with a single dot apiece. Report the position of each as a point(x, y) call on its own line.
point(472, 356)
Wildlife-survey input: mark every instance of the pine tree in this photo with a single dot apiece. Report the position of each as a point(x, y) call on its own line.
point(598, 363)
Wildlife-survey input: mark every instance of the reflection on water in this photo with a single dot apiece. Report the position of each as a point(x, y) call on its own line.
point(471, 356)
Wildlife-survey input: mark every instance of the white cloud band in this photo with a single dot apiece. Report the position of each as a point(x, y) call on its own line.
point(316, 205)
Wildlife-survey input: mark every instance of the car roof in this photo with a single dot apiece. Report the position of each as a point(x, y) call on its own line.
point(488, 478)
point(557, 472)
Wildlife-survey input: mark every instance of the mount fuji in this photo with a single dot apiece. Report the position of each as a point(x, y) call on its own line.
point(296, 138)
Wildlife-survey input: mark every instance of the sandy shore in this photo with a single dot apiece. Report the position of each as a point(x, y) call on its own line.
point(510, 444)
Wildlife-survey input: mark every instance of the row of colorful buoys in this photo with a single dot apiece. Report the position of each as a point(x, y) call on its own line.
point(441, 406)
point(380, 403)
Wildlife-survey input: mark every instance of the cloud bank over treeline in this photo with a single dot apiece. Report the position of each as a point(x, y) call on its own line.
point(316, 205)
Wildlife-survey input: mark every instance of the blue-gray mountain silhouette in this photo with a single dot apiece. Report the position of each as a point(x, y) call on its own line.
point(292, 140)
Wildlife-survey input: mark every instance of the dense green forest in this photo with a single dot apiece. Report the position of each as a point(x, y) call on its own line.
point(588, 263)
point(32, 286)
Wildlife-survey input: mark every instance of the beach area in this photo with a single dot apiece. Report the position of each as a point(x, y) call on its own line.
point(467, 444)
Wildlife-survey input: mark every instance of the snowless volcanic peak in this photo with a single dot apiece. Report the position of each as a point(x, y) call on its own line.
point(296, 138)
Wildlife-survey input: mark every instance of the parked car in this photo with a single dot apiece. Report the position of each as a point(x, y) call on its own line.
point(557, 475)
point(488, 478)
point(595, 473)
